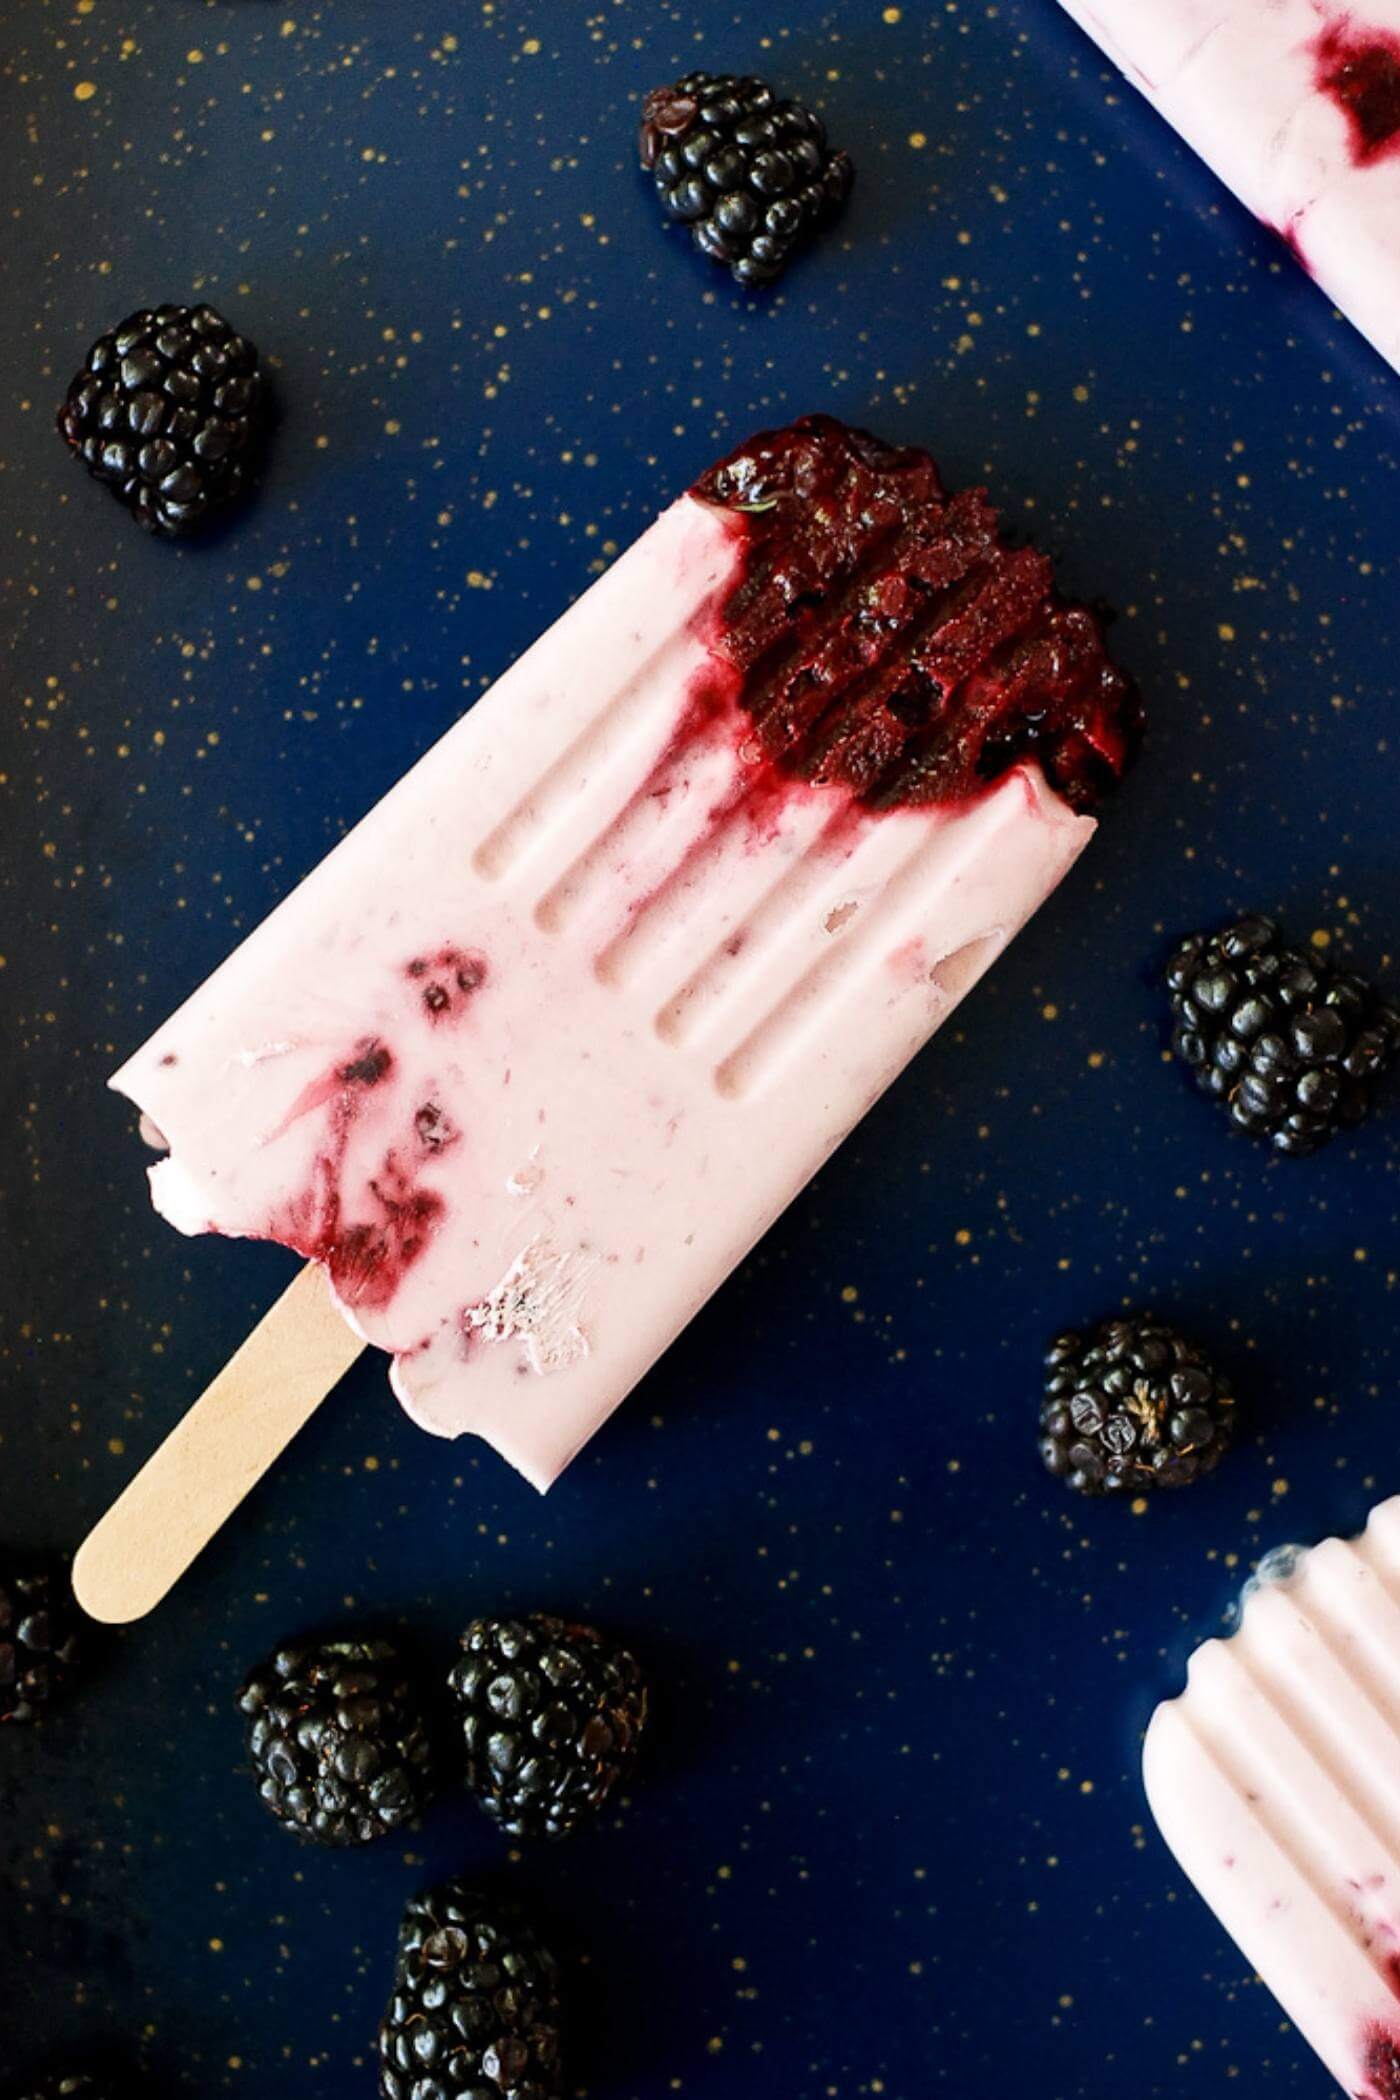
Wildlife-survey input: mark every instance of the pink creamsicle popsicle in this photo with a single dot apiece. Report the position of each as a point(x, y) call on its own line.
point(545, 1044)
point(1296, 106)
point(1275, 1779)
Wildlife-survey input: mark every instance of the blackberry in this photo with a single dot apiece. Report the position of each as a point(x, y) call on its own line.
point(1132, 1405)
point(170, 410)
point(751, 176)
point(338, 1739)
point(38, 1641)
point(1288, 1043)
point(474, 2013)
point(551, 1715)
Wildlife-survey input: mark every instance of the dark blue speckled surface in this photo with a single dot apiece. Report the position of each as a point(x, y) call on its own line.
point(890, 1839)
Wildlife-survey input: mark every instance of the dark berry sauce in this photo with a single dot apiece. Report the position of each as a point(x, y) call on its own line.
point(446, 981)
point(369, 1232)
point(886, 638)
point(1360, 69)
point(1382, 2067)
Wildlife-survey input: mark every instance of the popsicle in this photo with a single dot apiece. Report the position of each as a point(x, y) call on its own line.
point(539, 1051)
point(1296, 106)
point(1275, 1779)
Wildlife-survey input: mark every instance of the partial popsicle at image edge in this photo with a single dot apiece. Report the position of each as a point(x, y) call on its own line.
point(1295, 104)
point(543, 1047)
point(1275, 1780)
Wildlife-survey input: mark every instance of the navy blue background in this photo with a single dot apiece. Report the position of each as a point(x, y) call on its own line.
point(889, 1838)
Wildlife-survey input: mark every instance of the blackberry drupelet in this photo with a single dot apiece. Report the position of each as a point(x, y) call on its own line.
point(338, 1739)
point(551, 1715)
point(1288, 1043)
point(170, 410)
point(474, 2013)
point(38, 1641)
point(1132, 1405)
point(751, 176)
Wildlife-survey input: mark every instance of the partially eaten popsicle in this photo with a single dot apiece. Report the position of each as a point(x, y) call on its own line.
point(1275, 1779)
point(1296, 105)
point(539, 1051)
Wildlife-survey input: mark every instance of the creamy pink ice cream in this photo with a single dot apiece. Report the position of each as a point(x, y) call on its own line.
point(1296, 105)
point(539, 1051)
point(1275, 1779)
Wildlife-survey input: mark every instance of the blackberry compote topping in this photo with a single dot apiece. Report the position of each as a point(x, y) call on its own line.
point(170, 410)
point(1290, 1045)
point(551, 1715)
point(38, 1641)
point(338, 1739)
point(885, 636)
point(474, 2013)
point(751, 176)
point(1130, 1406)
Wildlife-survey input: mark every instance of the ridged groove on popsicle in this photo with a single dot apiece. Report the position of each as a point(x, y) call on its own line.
point(1233, 1775)
point(1338, 1765)
point(679, 803)
point(806, 994)
point(610, 742)
point(1379, 1546)
point(717, 876)
point(1348, 1610)
point(662, 805)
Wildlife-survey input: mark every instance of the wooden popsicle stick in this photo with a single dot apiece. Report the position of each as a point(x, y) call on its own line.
point(266, 1391)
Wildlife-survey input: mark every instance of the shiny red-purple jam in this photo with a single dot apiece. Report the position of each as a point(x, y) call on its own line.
point(1382, 2066)
point(1360, 69)
point(888, 639)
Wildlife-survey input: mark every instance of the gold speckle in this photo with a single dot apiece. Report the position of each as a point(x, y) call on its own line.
point(371, 1463)
point(393, 427)
point(1049, 1012)
point(849, 1294)
point(1321, 938)
point(1081, 392)
point(85, 90)
point(1138, 1505)
point(962, 1236)
point(216, 1946)
point(1225, 631)
point(116, 1445)
point(1280, 1486)
point(531, 47)
point(918, 140)
point(892, 15)
point(194, 58)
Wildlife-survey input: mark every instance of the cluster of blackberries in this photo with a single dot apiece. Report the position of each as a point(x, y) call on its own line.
point(343, 1742)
